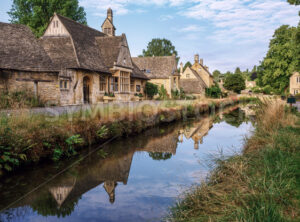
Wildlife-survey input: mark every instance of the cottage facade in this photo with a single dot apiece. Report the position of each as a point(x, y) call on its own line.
point(70, 64)
point(161, 70)
point(195, 79)
point(295, 83)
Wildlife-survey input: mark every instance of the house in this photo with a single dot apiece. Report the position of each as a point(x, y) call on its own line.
point(161, 70)
point(295, 83)
point(250, 84)
point(24, 64)
point(195, 79)
point(81, 64)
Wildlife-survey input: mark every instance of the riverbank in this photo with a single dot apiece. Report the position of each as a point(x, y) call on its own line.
point(30, 138)
point(262, 184)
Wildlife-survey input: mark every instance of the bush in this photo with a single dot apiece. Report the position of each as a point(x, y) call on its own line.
point(19, 99)
point(213, 92)
point(235, 82)
point(163, 95)
point(267, 90)
point(256, 89)
point(151, 89)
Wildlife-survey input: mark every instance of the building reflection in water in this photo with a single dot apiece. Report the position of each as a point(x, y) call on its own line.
point(66, 189)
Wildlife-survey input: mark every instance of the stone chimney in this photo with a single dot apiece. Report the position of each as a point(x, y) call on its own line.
point(181, 68)
point(201, 61)
point(110, 14)
point(196, 58)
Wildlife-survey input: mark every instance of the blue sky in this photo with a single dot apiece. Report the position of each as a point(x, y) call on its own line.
point(225, 33)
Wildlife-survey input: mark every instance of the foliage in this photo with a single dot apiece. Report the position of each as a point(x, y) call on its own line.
point(281, 59)
point(187, 64)
point(175, 94)
point(71, 142)
point(213, 92)
point(102, 132)
point(294, 2)
point(256, 89)
point(235, 82)
point(19, 99)
point(163, 95)
point(160, 156)
point(110, 94)
point(235, 118)
point(37, 13)
point(216, 75)
point(160, 47)
point(151, 89)
point(259, 185)
point(238, 71)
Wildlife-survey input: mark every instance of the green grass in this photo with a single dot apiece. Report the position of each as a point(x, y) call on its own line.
point(262, 184)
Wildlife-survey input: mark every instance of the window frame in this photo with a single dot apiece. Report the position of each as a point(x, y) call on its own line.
point(102, 83)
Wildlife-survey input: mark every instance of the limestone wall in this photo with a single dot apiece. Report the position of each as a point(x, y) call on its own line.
point(295, 83)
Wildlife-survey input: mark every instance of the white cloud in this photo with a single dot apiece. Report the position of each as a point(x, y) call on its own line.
point(243, 19)
point(166, 17)
point(191, 28)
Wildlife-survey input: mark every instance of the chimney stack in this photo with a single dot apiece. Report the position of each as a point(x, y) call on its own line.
point(110, 15)
point(181, 68)
point(196, 58)
point(201, 61)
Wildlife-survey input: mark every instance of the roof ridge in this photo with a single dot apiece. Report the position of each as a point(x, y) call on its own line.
point(198, 76)
point(86, 26)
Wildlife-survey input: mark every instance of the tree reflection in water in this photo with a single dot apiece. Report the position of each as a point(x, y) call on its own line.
point(160, 156)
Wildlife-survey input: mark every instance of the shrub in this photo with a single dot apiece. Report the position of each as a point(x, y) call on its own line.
point(235, 82)
point(151, 89)
point(213, 92)
point(163, 95)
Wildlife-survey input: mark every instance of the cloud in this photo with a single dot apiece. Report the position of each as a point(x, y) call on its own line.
point(166, 17)
point(243, 19)
point(191, 28)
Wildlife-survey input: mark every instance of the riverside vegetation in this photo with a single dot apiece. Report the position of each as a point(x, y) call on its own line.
point(261, 184)
point(30, 138)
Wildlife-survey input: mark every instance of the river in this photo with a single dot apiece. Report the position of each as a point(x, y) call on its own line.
point(130, 179)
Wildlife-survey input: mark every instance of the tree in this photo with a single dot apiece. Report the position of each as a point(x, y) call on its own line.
point(160, 47)
point(151, 89)
point(281, 60)
point(37, 13)
point(235, 82)
point(216, 75)
point(160, 156)
point(237, 71)
point(294, 2)
point(187, 64)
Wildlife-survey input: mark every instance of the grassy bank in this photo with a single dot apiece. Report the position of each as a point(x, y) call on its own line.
point(25, 138)
point(262, 184)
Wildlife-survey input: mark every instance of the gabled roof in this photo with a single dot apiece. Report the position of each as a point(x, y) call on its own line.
point(86, 50)
point(200, 80)
point(137, 73)
point(160, 67)
point(107, 19)
point(61, 51)
point(20, 50)
point(109, 47)
point(191, 86)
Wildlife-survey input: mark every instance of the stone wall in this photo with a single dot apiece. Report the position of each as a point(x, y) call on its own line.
point(43, 84)
point(165, 82)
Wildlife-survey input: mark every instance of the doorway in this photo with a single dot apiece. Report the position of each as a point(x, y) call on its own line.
point(86, 89)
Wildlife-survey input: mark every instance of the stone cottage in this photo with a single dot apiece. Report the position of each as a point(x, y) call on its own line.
point(195, 79)
point(161, 70)
point(84, 63)
point(295, 83)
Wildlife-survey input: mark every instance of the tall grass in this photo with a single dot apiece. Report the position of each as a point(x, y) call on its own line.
point(27, 138)
point(262, 184)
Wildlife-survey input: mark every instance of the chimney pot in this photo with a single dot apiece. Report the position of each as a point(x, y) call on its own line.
point(201, 61)
point(197, 58)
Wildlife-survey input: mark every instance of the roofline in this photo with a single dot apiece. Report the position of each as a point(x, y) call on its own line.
point(110, 23)
point(30, 70)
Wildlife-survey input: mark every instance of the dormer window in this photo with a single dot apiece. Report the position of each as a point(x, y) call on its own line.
point(148, 71)
point(124, 61)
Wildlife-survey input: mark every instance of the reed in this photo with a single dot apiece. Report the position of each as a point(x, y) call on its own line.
point(26, 138)
point(262, 184)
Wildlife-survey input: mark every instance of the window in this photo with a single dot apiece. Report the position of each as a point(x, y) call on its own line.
point(102, 81)
point(56, 24)
point(296, 92)
point(298, 79)
point(138, 88)
point(63, 84)
point(114, 84)
point(124, 61)
point(188, 76)
point(124, 82)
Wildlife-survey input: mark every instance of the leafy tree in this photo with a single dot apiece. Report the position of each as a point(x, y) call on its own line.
point(235, 117)
point(151, 89)
point(281, 59)
point(237, 71)
point(294, 2)
point(163, 94)
point(216, 75)
point(160, 47)
point(187, 64)
point(37, 13)
point(160, 156)
point(235, 82)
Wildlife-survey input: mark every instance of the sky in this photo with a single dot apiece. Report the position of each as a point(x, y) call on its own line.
point(225, 33)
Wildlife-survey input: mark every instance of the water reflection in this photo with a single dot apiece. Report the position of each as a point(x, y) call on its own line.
point(60, 196)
